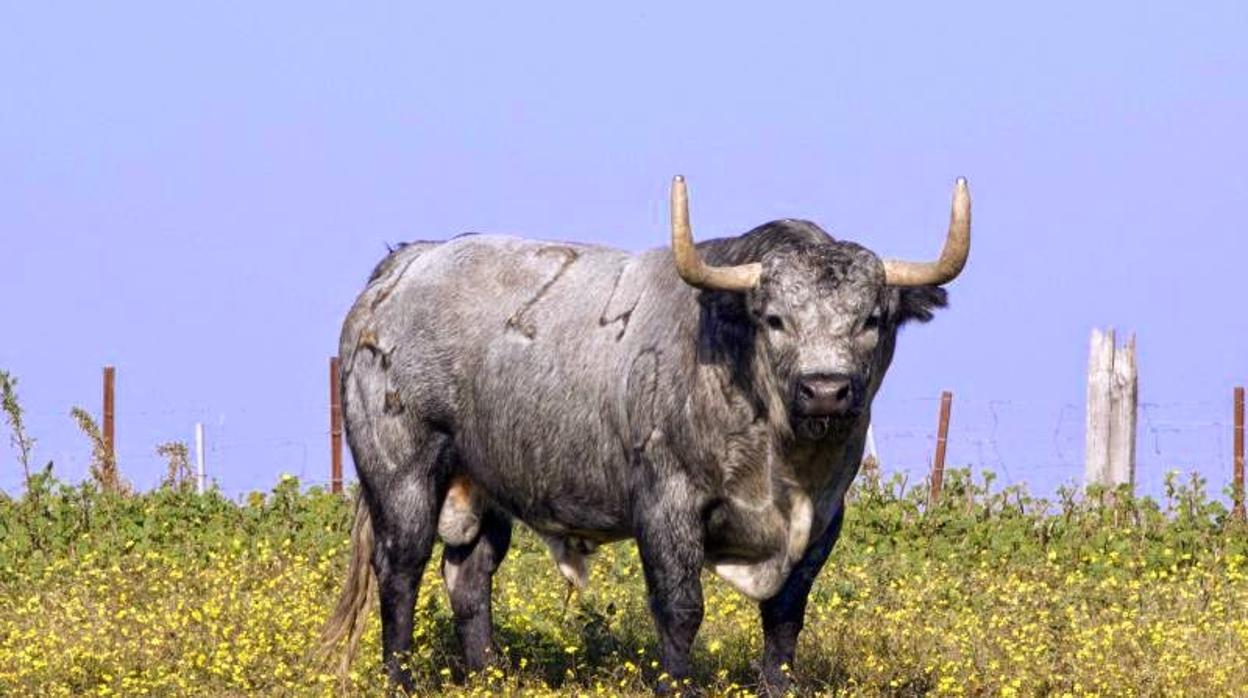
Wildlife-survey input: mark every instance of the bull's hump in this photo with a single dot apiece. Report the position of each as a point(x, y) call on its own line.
point(542, 291)
point(492, 266)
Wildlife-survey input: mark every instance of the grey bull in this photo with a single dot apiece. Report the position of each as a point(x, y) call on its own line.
point(709, 401)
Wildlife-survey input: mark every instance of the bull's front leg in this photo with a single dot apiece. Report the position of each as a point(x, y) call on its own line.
point(784, 613)
point(669, 539)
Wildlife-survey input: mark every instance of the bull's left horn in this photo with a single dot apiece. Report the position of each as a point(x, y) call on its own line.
point(689, 264)
point(952, 257)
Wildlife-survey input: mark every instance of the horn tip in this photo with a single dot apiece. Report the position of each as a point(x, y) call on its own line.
point(961, 182)
point(678, 178)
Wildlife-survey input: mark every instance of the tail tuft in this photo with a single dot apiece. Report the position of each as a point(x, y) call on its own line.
point(359, 592)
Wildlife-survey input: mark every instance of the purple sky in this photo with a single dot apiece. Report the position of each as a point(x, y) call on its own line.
point(196, 193)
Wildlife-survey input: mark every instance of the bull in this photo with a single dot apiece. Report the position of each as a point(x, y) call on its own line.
point(709, 401)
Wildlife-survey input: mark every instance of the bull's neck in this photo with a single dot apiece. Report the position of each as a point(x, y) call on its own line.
point(828, 463)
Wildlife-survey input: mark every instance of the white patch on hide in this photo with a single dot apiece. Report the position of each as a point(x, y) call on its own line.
point(450, 574)
point(759, 581)
point(569, 559)
point(762, 580)
point(801, 513)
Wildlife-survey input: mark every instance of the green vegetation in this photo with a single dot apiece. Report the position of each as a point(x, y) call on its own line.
point(170, 592)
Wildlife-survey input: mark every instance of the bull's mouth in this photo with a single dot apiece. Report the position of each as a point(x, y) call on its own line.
point(819, 427)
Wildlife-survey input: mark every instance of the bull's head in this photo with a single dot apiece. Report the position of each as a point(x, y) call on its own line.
point(824, 313)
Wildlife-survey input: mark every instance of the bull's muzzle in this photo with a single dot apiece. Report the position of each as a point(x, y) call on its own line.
point(828, 395)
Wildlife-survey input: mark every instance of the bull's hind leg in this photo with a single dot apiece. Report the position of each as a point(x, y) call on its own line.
point(468, 570)
point(404, 544)
point(402, 470)
point(404, 509)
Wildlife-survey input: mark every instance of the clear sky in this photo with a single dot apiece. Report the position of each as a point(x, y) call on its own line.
point(195, 192)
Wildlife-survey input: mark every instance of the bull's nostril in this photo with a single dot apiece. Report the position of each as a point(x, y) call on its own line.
point(843, 393)
point(806, 391)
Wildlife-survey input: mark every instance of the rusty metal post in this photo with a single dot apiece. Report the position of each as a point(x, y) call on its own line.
point(1238, 510)
point(110, 375)
point(942, 440)
point(335, 428)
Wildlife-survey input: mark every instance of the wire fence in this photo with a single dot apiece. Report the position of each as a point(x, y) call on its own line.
point(1036, 444)
point(1041, 445)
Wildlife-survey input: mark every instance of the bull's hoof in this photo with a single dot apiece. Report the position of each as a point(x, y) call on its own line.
point(477, 661)
point(775, 683)
point(684, 688)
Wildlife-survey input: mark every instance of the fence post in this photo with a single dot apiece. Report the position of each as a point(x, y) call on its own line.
point(942, 439)
point(199, 457)
point(1113, 398)
point(870, 458)
point(1123, 404)
point(1096, 435)
point(110, 450)
point(335, 428)
point(1238, 510)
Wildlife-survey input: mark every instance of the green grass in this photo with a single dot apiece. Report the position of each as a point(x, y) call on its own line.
point(173, 593)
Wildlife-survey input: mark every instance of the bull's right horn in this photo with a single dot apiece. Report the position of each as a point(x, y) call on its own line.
point(689, 264)
point(952, 257)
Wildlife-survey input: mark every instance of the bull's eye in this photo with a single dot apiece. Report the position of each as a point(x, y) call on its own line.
point(872, 321)
point(775, 322)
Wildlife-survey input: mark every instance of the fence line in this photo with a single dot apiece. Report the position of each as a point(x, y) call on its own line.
point(1026, 442)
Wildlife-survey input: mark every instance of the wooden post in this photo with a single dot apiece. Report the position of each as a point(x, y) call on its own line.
point(1113, 401)
point(1238, 510)
point(1100, 372)
point(1122, 415)
point(199, 457)
point(870, 466)
point(335, 428)
point(110, 450)
point(942, 439)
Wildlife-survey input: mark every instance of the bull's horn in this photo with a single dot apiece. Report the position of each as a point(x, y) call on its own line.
point(952, 257)
point(690, 266)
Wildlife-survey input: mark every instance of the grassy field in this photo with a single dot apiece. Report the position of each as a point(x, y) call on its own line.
point(174, 593)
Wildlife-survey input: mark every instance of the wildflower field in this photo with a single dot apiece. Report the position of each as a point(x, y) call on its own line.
point(988, 593)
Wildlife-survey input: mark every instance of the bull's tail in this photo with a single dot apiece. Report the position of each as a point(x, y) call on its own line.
point(359, 592)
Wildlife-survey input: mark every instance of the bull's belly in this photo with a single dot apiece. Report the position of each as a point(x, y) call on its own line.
point(570, 541)
point(549, 490)
point(754, 551)
point(557, 506)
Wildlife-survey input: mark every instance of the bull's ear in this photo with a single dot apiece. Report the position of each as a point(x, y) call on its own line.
point(919, 302)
